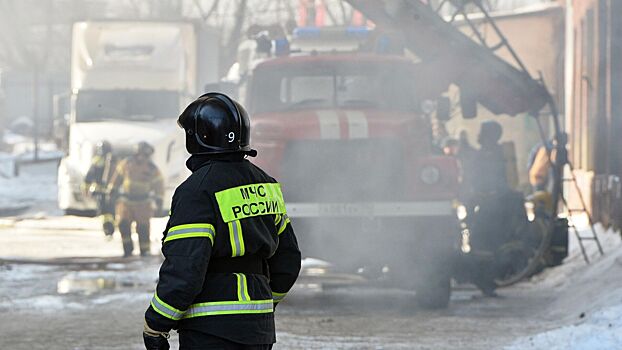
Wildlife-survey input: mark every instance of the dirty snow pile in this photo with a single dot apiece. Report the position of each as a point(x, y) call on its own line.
point(601, 330)
point(589, 303)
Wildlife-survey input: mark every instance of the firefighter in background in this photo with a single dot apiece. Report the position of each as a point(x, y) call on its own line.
point(540, 168)
point(96, 183)
point(138, 184)
point(230, 251)
point(486, 186)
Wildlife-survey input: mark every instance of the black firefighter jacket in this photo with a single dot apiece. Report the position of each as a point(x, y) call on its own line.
point(230, 253)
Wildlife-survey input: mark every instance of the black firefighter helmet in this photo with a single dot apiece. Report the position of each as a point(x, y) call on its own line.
point(144, 148)
point(103, 148)
point(216, 124)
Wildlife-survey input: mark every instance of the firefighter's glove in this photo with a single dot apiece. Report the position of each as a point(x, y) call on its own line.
point(155, 343)
point(155, 340)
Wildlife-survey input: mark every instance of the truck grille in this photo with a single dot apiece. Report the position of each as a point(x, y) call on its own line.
point(343, 170)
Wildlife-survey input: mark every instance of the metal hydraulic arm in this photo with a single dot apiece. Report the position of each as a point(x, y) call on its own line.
point(482, 75)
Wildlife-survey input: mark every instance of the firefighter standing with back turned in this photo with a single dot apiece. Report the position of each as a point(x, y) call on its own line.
point(230, 251)
point(138, 184)
point(96, 183)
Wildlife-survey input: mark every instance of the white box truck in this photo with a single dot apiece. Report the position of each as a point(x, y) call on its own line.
point(129, 82)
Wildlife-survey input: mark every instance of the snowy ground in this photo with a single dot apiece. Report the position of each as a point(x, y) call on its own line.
point(35, 186)
point(98, 301)
point(588, 303)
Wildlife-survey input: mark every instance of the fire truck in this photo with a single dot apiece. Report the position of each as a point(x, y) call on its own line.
point(348, 133)
point(346, 123)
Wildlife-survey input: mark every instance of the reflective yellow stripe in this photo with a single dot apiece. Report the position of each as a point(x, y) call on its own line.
point(230, 308)
point(186, 226)
point(190, 231)
point(237, 238)
point(277, 297)
point(241, 238)
point(98, 161)
point(245, 287)
point(212, 308)
point(284, 221)
point(242, 287)
point(234, 249)
point(239, 286)
point(189, 235)
point(165, 309)
point(250, 200)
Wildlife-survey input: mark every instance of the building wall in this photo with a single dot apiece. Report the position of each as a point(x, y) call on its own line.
point(594, 90)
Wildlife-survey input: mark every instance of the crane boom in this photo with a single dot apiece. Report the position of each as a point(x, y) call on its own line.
point(496, 84)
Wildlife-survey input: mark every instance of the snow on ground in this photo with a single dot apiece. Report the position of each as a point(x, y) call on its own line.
point(42, 303)
point(48, 289)
point(589, 302)
point(27, 184)
point(66, 236)
point(600, 331)
point(34, 187)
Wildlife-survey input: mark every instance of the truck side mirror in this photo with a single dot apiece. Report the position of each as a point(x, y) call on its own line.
point(443, 108)
point(468, 105)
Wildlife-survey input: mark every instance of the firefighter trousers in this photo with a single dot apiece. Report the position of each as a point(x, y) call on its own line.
point(106, 211)
point(138, 212)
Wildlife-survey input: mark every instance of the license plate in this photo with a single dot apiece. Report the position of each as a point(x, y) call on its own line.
point(375, 209)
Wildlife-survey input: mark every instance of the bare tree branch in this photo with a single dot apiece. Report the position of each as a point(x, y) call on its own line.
point(206, 15)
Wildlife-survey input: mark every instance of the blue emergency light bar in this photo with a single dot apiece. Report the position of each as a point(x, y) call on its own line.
point(362, 32)
point(359, 32)
point(307, 32)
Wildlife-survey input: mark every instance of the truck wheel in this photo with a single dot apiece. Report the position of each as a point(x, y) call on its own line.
point(434, 293)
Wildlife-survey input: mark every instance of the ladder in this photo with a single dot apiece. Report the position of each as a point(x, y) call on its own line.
point(592, 236)
point(459, 10)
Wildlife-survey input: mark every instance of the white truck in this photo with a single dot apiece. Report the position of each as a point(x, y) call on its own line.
point(129, 82)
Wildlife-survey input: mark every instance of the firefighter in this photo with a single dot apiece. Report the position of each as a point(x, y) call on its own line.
point(489, 193)
point(138, 184)
point(230, 251)
point(96, 183)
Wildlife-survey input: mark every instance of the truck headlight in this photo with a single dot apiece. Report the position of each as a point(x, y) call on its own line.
point(430, 175)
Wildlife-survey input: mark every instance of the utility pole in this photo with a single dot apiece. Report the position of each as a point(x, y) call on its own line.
point(35, 109)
